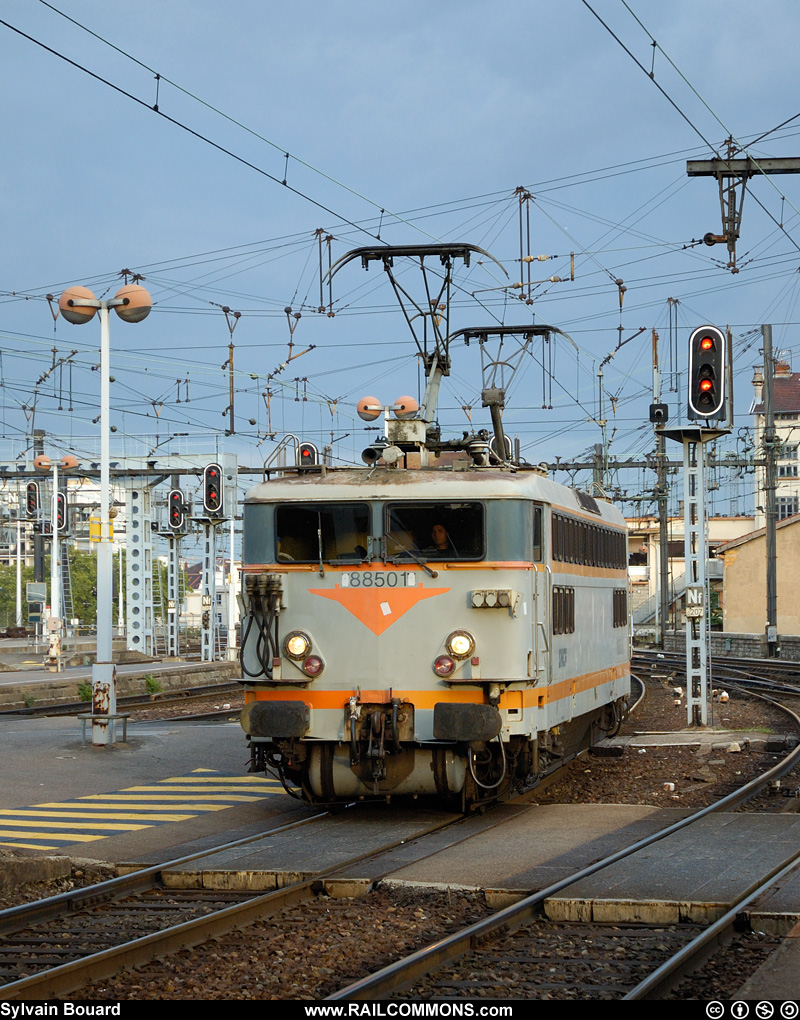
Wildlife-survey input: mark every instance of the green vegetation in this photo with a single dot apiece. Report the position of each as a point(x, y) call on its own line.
point(83, 571)
point(84, 691)
point(152, 686)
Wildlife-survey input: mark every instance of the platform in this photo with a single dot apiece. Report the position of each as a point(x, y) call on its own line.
point(695, 874)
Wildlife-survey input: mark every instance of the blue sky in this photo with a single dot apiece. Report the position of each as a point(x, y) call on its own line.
point(433, 114)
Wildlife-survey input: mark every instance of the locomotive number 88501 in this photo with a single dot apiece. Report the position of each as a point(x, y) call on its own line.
point(413, 631)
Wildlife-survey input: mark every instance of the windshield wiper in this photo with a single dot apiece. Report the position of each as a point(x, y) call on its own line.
point(394, 559)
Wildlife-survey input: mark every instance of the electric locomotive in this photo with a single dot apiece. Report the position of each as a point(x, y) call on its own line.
point(444, 621)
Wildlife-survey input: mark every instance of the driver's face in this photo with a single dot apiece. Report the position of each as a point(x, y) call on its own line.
point(439, 535)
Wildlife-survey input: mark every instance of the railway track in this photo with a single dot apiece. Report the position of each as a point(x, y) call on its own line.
point(136, 703)
point(779, 675)
point(625, 961)
point(56, 947)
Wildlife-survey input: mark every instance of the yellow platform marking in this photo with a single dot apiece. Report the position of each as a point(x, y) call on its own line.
point(55, 824)
point(79, 810)
point(98, 824)
point(73, 837)
point(167, 798)
point(28, 846)
point(157, 811)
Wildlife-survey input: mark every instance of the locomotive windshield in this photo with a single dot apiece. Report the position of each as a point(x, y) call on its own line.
point(435, 531)
point(308, 533)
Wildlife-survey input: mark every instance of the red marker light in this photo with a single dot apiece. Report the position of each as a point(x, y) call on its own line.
point(444, 665)
point(706, 385)
point(706, 344)
point(313, 666)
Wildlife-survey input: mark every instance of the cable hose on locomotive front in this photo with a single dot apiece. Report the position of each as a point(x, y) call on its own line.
point(263, 595)
point(471, 764)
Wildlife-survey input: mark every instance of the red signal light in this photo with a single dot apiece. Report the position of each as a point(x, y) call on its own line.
point(707, 389)
point(32, 499)
point(212, 489)
point(177, 512)
point(308, 455)
point(62, 519)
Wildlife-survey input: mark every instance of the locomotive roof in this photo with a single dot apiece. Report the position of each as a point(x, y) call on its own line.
point(386, 483)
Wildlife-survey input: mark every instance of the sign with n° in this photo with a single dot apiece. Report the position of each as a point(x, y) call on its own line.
point(695, 602)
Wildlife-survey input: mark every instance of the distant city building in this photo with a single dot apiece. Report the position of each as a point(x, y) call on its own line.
point(786, 407)
point(644, 559)
point(745, 580)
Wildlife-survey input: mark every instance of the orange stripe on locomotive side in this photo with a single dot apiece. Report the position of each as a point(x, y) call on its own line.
point(526, 697)
point(411, 565)
point(579, 570)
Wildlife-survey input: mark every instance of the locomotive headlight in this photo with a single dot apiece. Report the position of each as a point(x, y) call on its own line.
point(460, 644)
point(297, 645)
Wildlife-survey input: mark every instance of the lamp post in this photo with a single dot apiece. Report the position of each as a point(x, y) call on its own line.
point(55, 623)
point(132, 303)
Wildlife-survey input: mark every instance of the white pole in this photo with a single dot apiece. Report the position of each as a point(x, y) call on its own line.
point(104, 695)
point(104, 561)
point(232, 588)
point(120, 610)
point(54, 623)
point(19, 573)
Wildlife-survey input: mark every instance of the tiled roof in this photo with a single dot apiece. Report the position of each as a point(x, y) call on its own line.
point(785, 395)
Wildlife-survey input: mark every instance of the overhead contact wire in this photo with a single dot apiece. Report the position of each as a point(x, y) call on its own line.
point(191, 131)
point(239, 124)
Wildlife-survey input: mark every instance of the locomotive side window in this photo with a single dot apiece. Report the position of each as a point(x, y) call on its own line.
point(435, 531)
point(620, 607)
point(537, 534)
point(563, 609)
point(593, 545)
point(308, 533)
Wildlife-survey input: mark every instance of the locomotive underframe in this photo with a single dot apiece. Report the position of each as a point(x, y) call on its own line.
point(382, 758)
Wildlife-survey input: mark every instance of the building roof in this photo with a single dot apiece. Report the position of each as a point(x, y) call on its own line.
point(785, 394)
point(754, 535)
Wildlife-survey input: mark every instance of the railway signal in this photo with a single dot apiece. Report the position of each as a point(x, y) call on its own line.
point(62, 513)
point(176, 512)
point(707, 373)
point(212, 490)
point(307, 455)
point(32, 499)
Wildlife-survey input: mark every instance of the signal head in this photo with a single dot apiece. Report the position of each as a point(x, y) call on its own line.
point(32, 499)
point(176, 513)
point(707, 373)
point(212, 489)
point(307, 455)
point(62, 514)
